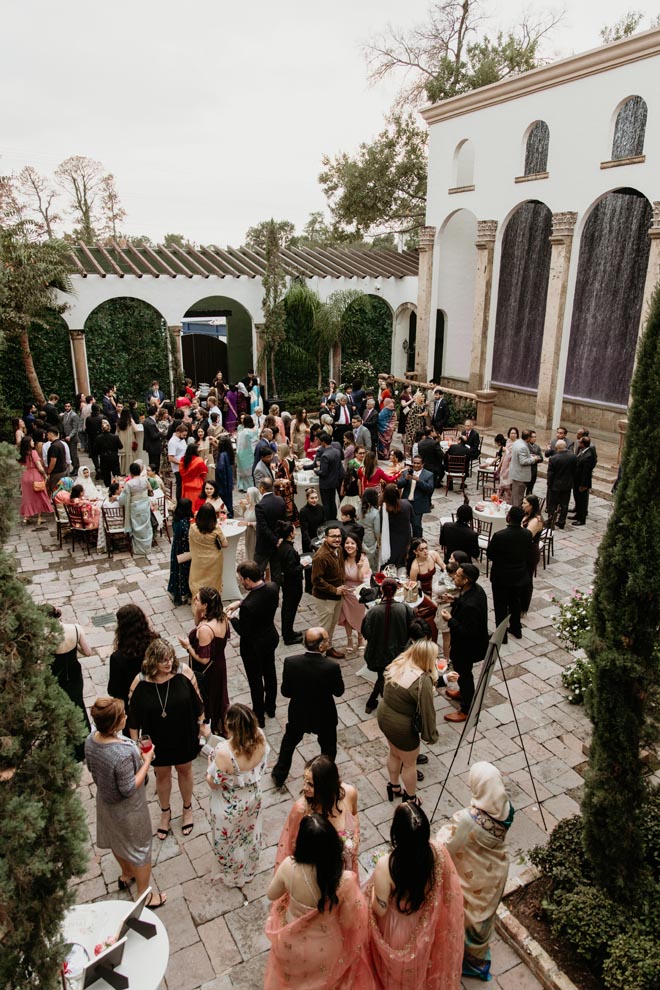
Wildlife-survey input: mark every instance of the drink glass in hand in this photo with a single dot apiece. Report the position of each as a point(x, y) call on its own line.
point(145, 744)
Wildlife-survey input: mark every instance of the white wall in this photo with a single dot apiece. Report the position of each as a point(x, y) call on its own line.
point(453, 292)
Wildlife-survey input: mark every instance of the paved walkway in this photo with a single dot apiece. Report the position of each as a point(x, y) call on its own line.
point(216, 942)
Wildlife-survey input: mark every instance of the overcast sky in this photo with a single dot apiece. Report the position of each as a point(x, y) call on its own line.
point(212, 115)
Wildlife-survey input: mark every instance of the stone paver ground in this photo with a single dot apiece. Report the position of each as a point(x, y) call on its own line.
point(216, 941)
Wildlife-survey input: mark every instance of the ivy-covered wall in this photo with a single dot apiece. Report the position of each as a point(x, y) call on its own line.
point(51, 351)
point(370, 319)
point(126, 347)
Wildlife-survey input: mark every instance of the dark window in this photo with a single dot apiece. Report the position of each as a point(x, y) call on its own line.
point(536, 152)
point(439, 344)
point(629, 129)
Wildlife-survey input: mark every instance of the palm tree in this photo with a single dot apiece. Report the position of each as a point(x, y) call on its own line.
point(32, 272)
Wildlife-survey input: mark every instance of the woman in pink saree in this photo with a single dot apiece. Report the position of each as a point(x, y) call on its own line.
point(318, 924)
point(415, 910)
point(324, 794)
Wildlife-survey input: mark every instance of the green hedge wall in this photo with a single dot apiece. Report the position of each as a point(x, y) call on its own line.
point(126, 347)
point(370, 319)
point(51, 351)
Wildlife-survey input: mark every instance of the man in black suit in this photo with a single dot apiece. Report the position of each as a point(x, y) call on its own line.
point(329, 471)
point(459, 449)
point(152, 444)
point(370, 420)
point(584, 469)
point(267, 513)
point(508, 551)
point(432, 455)
point(440, 411)
point(459, 535)
point(472, 439)
point(312, 681)
point(467, 619)
point(343, 415)
point(561, 478)
point(253, 620)
point(417, 485)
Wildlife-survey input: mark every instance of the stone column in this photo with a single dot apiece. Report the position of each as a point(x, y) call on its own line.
point(79, 352)
point(485, 244)
point(424, 287)
point(653, 267)
point(176, 332)
point(561, 239)
point(257, 356)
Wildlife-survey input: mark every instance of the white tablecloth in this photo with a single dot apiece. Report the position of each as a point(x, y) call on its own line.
point(233, 530)
point(493, 513)
point(304, 479)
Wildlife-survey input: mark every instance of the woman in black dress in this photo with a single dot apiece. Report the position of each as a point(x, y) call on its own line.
point(395, 530)
point(180, 572)
point(66, 668)
point(165, 704)
point(533, 521)
point(206, 646)
point(131, 641)
point(292, 581)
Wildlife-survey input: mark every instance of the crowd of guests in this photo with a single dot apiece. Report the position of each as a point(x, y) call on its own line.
point(417, 612)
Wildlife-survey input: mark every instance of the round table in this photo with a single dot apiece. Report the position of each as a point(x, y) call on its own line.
point(492, 513)
point(233, 530)
point(144, 961)
point(303, 480)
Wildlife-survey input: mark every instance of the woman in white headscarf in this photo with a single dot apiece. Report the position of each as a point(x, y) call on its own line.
point(84, 478)
point(475, 839)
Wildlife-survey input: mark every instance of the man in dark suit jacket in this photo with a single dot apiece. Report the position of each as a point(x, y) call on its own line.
point(561, 478)
point(459, 449)
point(152, 444)
point(432, 456)
point(508, 551)
point(329, 471)
point(459, 535)
point(584, 469)
point(440, 411)
point(370, 420)
point(271, 508)
point(312, 681)
point(253, 619)
point(417, 485)
point(467, 619)
point(472, 439)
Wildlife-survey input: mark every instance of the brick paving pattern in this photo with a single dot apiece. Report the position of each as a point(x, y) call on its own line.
point(216, 941)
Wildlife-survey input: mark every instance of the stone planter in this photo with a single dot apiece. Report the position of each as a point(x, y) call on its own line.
point(523, 943)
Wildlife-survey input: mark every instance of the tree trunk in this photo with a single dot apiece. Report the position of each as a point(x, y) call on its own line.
point(272, 371)
point(336, 362)
point(35, 387)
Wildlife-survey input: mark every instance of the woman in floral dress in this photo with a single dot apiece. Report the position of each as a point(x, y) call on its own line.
point(234, 776)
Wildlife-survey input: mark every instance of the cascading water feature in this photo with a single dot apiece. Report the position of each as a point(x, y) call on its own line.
point(523, 288)
point(614, 253)
point(629, 129)
point(536, 151)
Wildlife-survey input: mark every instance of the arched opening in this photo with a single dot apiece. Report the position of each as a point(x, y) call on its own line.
point(217, 336)
point(128, 345)
point(367, 327)
point(521, 297)
point(609, 292)
point(629, 129)
point(51, 352)
point(456, 274)
point(404, 339)
point(536, 148)
point(464, 164)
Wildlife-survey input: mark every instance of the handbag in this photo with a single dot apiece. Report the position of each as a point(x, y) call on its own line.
point(417, 717)
point(38, 486)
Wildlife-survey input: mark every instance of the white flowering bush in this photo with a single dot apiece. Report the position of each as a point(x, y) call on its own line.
point(572, 622)
point(576, 678)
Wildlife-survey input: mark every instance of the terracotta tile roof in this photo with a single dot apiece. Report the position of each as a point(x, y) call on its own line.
point(119, 259)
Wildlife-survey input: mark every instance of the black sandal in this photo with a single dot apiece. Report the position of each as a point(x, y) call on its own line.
point(125, 884)
point(394, 790)
point(163, 833)
point(162, 898)
point(412, 799)
point(187, 829)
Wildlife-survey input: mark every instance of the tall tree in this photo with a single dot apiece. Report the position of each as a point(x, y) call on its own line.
point(31, 273)
point(39, 196)
point(274, 285)
point(628, 24)
point(176, 240)
point(624, 640)
point(43, 832)
point(111, 211)
point(257, 236)
point(81, 179)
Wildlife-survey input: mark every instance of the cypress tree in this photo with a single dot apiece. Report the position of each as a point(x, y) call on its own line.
point(623, 642)
point(43, 833)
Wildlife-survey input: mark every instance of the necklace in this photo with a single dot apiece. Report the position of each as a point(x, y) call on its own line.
point(160, 700)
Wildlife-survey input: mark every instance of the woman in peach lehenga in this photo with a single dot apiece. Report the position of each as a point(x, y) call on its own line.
point(415, 910)
point(318, 924)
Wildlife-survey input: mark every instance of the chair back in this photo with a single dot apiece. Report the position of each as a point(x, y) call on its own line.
point(60, 513)
point(113, 518)
point(484, 528)
point(487, 492)
point(76, 516)
point(456, 464)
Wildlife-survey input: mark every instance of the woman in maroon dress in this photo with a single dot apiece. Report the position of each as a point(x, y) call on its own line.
point(206, 646)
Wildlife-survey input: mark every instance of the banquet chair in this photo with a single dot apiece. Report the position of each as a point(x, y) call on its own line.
point(79, 531)
point(547, 542)
point(484, 533)
point(159, 504)
point(61, 521)
point(456, 470)
point(113, 527)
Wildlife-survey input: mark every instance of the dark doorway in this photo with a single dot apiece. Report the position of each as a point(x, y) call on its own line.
point(439, 344)
point(412, 342)
point(203, 357)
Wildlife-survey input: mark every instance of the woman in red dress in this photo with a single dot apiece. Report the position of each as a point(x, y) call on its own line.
point(370, 475)
point(193, 470)
point(34, 501)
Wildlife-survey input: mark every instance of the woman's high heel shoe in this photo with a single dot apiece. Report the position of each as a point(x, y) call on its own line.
point(394, 790)
point(163, 833)
point(412, 799)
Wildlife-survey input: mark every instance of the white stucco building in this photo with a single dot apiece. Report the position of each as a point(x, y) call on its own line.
point(543, 237)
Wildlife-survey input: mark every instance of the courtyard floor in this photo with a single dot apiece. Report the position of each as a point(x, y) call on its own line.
point(216, 941)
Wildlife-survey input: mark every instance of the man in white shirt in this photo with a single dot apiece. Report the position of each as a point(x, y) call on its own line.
point(176, 448)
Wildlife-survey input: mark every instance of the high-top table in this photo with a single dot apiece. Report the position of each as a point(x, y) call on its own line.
point(233, 529)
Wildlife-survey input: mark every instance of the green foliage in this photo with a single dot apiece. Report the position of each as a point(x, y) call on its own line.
point(459, 409)
point(633, 963)
point(577, 678)
point(573, 619)
point(383, 186)
point(367, 333)
point(588, 919)
point(623, 28)
point(257, 236)
point(622, 645)
point(43, 832)
point(359, 370)
point(274, 284)
point(126, 346)
point(486, 61)
point(306, 399)
point(562, 860)
point(51, 350)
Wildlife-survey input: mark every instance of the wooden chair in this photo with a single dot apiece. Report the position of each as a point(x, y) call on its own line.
point(456, 471)
point(113, 527)
point(547, 541)
point(450, 435)
point(542, 504)
point(487, 492)
point(79, 531)
point(485, 474)
point(484, 533)
point(159, 504)
point(474, 461)
point(61, 521)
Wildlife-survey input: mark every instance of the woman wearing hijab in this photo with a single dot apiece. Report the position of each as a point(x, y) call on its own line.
point(84, 478)
point(475, 839)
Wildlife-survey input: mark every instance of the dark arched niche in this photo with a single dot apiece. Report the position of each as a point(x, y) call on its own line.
point(629, 129)
point(536, 148)
point(521, 297)
point(203, 356)
point(614, 253)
